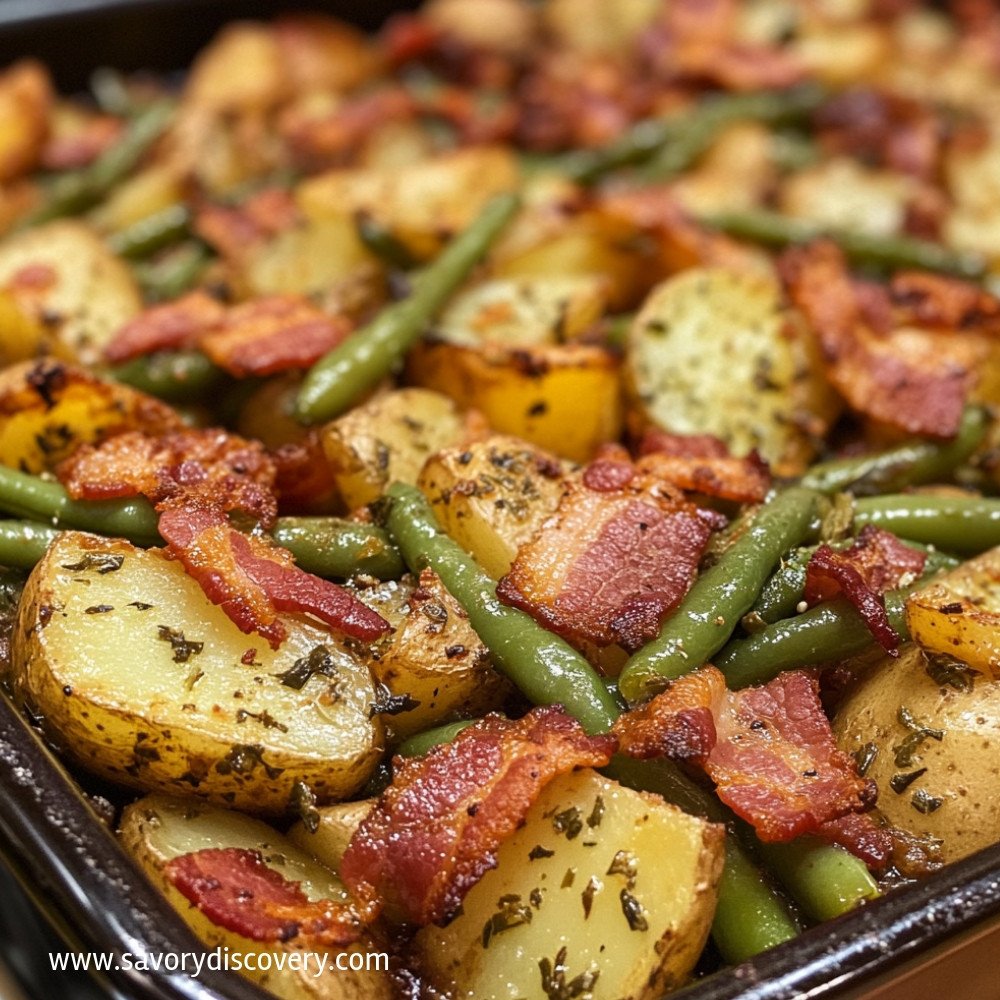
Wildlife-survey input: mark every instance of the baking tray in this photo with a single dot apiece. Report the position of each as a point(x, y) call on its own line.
point(941, 937)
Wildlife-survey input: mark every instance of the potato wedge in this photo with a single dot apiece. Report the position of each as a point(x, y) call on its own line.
point(25, 105)
point(934, 731)
point(714, 352)
point(159, 828)
point(389, 438)
point(434, 666)
point(48, 409)
point(958, 614)
point(63, 277)
point(335, 827)
point(142, 681)
point(492, 496)
point(622, 892)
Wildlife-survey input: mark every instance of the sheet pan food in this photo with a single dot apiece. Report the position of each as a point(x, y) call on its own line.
point(517, 491)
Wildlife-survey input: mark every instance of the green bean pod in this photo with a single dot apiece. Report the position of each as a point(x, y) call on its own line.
point(176, 376)
point(719, 598)
point(908, 464)
point(865, 249)
point(23, 543)
point(173, 275)
point(154, 232)
point(331, 546)
point(966, 525)
point(336, 381)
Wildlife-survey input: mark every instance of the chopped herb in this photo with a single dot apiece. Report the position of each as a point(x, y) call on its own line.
point(101, 562)
point(555, 984)
point(911, 744)
point(318, 661)
point(535, 897)
point(139, 605)
point(597, 813)
point(539, 852)
point(511, 912)
point(98, 609)
point(948, 671)
point(624, 863)
point(634, 912)
point(568, 879)
point(302, 801)
point(244, 758)
point(864, 757)
point(265, 718)
point(900, 782)
point(954, 608)
point(183, 648)
point(569, 822)
point(387, 703)
point(192, 678)
point(924, 802)
point(594, 886)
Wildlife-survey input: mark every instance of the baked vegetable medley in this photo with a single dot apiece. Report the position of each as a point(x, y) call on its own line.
point(519, 491)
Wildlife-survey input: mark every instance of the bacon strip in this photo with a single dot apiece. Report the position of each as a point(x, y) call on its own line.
point(237, 890)
point(622, 552)
point(435, 830)
point(878, 362)
point(770, 749)
point(877, 561)
point(173, 326)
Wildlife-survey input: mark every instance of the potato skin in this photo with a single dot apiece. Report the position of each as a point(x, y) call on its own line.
point(101, 657)
point(956, 776)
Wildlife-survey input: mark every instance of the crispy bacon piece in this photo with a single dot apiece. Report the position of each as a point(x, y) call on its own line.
point(83, 143)
point(863, 837)
point(305, 480)
point(435, 830)
point(874, 358)
point(273, 334)
point(212, 465)
point(659, 442)
point(877, 561)
point(252, 580)
point(622, 551)
point(233, 231)
point(769, 749)
point(175, 325)
point(746, 480)
point(937, 301)
point(237, 890)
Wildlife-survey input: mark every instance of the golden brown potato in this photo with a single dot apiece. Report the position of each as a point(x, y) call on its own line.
point(932, 731)
point(626, 903)
point(958, 614)
point(25, 106)
point(49, 408)
point(144, 682)
point(158, 828)
point(335, 825)
point(434, 666)
point(492, 496)
point(388, 439)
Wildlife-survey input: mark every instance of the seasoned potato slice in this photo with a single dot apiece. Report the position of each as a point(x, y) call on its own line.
point(159, 828)
point(25, 105)
point(958, 614)
point(421, 203)
point(63, 277)
point(387, 439)
point(335, 826)
point(493, 496)
point(48, 409)
point(144, 682)
point(714, 352)
point(934, 731)
point(434, 665)
point(601, 882)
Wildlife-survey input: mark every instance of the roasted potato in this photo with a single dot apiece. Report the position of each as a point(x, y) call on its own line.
point(389, 438)
point(143, 681)
point(600, 882)
point(492, 496)
point(931, 729)
point(334, 827)
point(159, 828)
point(25, 105)
point(48, 409)
point(714, 352)
point(65, 281)
point(958, 615)
point(434, 667)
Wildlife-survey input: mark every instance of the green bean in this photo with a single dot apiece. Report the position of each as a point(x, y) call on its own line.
point(684, 137)
point(826, 881)
point(719, 598)
point(908, 464)
point(176, 376)
point(331, 546)
point(175, 274)
point(545, 667)
point(418, 744)
point(361, 361)
point(866, 249)
point(783, 592)
point(830, 631)
point(75, 192)
point(152, 233)
point(111, 92)
point(32, 497)
point(966, 525)
point(382, 242)
point(23, 543)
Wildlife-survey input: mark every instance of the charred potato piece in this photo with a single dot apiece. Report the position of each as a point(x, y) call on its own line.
point(327, 836)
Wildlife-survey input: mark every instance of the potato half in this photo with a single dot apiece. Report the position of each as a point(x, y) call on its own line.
point(143, 681)
point(600, 882)
point(158, 828)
